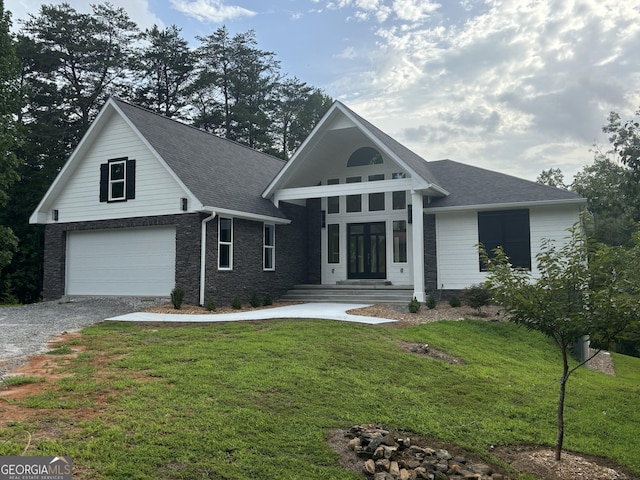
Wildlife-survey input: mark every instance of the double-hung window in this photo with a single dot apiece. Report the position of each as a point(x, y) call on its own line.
point(225, 243)
point(118, 180)
point(269, 247)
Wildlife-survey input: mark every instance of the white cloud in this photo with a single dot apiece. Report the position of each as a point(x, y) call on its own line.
point(520, 86)
point(138, 10)
point(211, 10)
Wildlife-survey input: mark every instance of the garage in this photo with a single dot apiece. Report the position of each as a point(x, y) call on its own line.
point(125, 262)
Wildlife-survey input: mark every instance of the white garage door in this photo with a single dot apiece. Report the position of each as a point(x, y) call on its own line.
point(137, 261)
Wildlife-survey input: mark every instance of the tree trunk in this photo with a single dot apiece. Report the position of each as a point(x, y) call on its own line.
point(563, 385)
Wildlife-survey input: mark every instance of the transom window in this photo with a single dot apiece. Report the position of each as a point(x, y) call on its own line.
point(364, 156)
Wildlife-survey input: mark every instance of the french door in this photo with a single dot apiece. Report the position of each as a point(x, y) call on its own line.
point(367, 250)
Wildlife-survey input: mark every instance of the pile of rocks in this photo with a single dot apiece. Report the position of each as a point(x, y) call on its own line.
point(391, 457)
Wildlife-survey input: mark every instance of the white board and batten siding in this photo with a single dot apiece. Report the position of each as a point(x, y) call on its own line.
point(157, 192)
point(457, 240)
point(123, 262)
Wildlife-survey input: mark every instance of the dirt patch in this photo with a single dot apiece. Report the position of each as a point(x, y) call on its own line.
point(443, 311)
point(428, 351)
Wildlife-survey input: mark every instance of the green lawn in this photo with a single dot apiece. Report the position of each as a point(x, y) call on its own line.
point(257, 400)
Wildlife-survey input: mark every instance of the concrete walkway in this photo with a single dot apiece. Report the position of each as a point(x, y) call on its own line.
point(328, 311)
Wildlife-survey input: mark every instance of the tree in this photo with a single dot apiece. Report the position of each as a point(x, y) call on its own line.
point(297, 109)
point(91, 55)
point(604, 185)
point(552, 177)
point(235, 87)
point(9, 132)
point(166, 64)
point(582, 290)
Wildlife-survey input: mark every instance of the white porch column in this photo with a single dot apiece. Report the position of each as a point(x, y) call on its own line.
point(417, 227)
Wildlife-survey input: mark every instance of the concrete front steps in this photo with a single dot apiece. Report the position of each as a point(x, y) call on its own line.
point(351, 292)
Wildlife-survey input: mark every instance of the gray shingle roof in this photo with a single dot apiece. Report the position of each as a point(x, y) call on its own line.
point(219, 172)
point(469, 185)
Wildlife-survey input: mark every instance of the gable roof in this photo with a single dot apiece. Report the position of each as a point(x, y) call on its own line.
point(220, 173)
point(413, 163)
point(473, 186)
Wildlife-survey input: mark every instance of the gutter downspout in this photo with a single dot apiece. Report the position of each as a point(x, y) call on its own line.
point(203, 251)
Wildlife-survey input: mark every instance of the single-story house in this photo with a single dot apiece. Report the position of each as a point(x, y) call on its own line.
point(145, 203)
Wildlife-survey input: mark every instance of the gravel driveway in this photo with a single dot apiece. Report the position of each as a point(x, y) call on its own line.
point(25, 330)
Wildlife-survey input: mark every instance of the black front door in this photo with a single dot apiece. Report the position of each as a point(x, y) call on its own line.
point(367, 250)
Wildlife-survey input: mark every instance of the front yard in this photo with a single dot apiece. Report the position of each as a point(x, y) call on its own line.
point(263, 399)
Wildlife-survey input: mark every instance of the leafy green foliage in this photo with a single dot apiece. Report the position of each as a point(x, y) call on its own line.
point(414, 305)
point(236, 303)
point(578, 292)
point(20, 380)
point(431, 302)
point(177, 297)
point(61, 350)
point(454, 301)
point(477, 296)
point(210, 304)
point(267, 300)
point(10, 96)
point(255, 301)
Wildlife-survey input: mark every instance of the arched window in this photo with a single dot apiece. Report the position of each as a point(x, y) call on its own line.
point(364, 156)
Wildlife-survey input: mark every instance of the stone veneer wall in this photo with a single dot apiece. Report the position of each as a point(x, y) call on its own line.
point(187, 249)
point(247, 276)
point(430, 255)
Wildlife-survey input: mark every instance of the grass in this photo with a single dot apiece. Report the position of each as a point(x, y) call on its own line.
point(20, 380)
point(257, 400)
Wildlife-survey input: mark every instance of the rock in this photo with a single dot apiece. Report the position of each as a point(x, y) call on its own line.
point(394, 470)
point(389, 451)
point(481, 468)
point(369, 467)
point(460, 460)
point(440, 476)
point(379, 453)
point(443, 454)
point(381, 476)
point(404, 474)
point(355, 443)
point(383, 464)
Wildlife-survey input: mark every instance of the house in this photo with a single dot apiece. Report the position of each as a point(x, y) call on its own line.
point(146, 203)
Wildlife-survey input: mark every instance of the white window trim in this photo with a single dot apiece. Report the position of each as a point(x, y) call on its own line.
point(269, 247)
point(230, 244)
point(122, 180)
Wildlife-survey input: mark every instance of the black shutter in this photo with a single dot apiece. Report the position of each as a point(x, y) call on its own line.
point(104, 182)
point(131, 179)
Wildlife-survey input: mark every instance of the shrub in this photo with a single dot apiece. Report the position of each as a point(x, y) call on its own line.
point(477, 296)
point(255, 301)
point(414, 305)
point(177, 297)
point(236, 304)
point(267, 300)
point(431, 302)
point(454, 302)
point(210, 304)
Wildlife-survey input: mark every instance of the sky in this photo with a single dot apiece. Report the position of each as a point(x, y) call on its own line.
point(516, 86)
